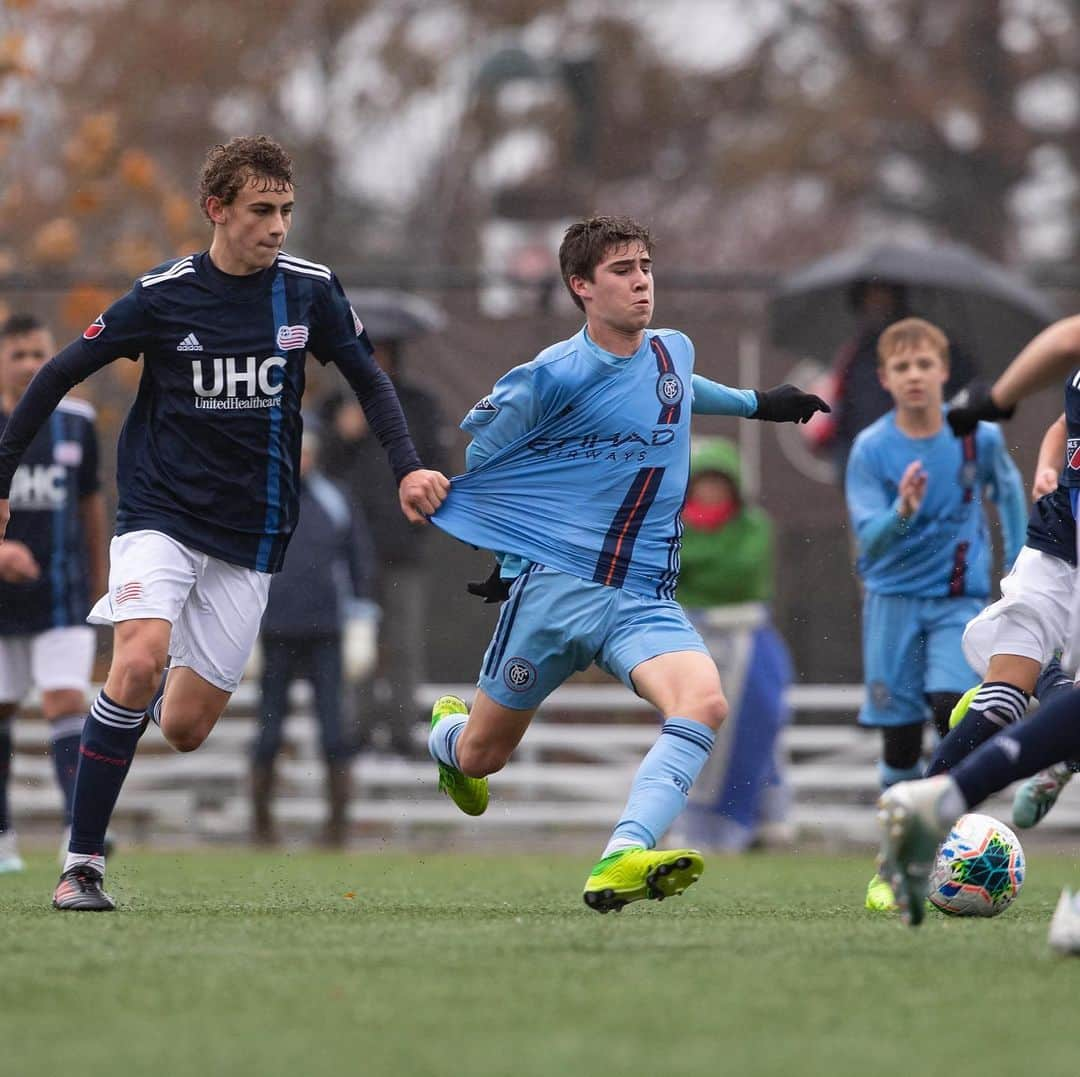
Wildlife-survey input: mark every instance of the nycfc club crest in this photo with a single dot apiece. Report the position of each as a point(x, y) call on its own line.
point(1072, 452)
point(669, 389)
point(519, 674)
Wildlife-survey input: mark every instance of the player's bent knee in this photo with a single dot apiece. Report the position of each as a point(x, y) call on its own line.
point(478, 761)
point(138, 675)
point(184, 738)
point(710, 709)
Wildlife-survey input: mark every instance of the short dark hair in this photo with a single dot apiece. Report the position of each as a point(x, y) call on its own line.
point(587, 242)
point(227, 169)
point(18, 324)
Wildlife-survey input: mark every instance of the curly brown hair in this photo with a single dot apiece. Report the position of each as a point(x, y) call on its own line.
point(588, 241)
point(227, 169)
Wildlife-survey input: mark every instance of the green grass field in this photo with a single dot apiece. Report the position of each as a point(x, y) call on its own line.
point(235, 963)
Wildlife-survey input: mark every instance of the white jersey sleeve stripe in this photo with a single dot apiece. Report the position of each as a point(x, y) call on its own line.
point(78, 407)
point(180, 269)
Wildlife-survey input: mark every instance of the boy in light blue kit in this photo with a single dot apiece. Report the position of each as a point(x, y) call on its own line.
point(915, 497)
point(576, 477)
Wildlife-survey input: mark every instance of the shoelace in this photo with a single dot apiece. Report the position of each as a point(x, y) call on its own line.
point(85, 878)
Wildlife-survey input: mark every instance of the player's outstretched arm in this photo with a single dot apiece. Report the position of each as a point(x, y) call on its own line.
point(421, 492)
point(787, 404)
point(5, 515)
point(1043, 362)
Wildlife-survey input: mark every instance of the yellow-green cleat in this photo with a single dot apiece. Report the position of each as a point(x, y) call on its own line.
point(639, 875)
point(956, 715)
point(469, 794)
point(879, 896)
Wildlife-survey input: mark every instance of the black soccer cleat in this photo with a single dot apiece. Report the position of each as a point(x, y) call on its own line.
point(80, 890)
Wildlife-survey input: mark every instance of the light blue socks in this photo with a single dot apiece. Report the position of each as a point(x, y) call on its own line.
point(442, 740)
point(662, 784)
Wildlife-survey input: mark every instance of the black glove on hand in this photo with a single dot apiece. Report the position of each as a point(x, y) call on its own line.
point(787, 404)
point(493, 589)
point(971, 404)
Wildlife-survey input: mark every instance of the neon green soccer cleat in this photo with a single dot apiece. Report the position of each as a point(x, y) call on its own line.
point(641, 874)
point(469, 794)
point(956, 715)
point(879, 896)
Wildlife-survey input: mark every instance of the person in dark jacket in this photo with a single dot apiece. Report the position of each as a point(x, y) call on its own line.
point(319, 625)
point(400, 547)
point(858, 398)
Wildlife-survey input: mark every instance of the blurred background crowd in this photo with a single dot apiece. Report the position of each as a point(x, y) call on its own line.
point(812, 171)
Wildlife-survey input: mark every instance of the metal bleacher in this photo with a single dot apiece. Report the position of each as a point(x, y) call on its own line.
point(571, 773)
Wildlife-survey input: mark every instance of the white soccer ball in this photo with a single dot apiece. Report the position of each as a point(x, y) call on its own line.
point(979, 868)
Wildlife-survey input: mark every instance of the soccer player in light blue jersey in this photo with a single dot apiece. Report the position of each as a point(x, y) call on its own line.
point(915, 496)
point(576, 477)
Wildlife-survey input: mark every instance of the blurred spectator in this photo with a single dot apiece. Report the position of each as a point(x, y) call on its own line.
point(857, 396)
point(400, 547)
point(319, 625)
point(725, 583)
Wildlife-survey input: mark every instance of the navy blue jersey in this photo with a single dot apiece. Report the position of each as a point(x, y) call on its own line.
point(1052, 526)
point(1071, 475)
point(58, 470)
point(209, 452)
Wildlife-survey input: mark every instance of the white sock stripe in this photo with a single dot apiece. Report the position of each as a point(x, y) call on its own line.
point(1010, 698)
point(114, 710)
point(115, 725)
point(119, 719)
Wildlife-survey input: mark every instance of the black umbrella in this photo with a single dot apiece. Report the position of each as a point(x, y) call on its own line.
point(390, 316)
point(991, 310)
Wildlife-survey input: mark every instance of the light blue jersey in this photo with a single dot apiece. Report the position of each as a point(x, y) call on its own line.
point(580, 461)
point(943, 550)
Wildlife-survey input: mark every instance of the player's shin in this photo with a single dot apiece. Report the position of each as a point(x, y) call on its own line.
point(662, 784)
point(1051, 735)
point(996, 705)
point(5, 771)
point(109, 739)
point(65, 736)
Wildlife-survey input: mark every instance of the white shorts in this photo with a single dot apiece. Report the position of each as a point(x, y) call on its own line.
point(50, 661)
point(1031, 619)
point(214, 607)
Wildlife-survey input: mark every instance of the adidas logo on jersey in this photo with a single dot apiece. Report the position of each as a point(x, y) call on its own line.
point(190, 343)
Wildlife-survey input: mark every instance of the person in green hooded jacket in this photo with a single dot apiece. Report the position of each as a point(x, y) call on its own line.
point(725, 583)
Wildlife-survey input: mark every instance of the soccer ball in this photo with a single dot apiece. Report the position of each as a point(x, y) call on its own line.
point(979, 868)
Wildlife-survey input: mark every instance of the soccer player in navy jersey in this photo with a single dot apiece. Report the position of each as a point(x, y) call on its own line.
point(914, 816)
point(52, 566)
point(207, 469)
point(577, 471)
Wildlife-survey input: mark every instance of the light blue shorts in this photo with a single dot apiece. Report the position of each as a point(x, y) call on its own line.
point(554, 624)
point(911, 646)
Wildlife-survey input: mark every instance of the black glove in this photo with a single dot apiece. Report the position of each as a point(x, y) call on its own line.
point(971, 404)
point(787, 404)
point(493, 589)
